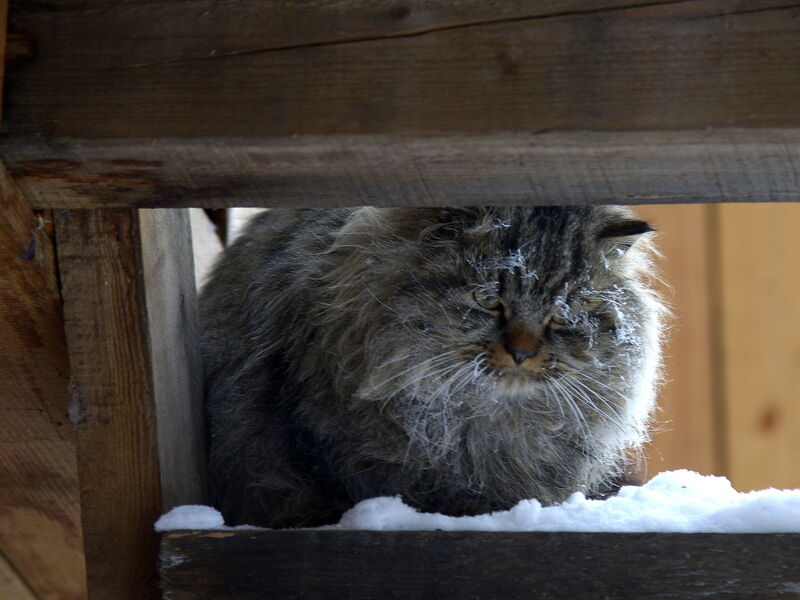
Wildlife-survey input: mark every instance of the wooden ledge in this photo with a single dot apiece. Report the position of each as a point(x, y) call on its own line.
point(727, 165)
point(433, 564)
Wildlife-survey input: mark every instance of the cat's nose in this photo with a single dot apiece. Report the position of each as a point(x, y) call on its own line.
point(519, 356)
point(520, 342)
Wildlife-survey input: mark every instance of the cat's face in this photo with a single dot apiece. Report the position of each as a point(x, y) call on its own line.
point(536, 306)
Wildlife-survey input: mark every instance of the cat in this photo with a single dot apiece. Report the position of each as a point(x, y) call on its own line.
point(463, 359)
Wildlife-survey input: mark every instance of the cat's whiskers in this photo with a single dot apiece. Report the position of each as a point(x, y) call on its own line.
point(411, 385)
point(585, 375)
point(562, 394)
point(444, 356)
point(432, 428)
point(595, 393)
point(582, 395)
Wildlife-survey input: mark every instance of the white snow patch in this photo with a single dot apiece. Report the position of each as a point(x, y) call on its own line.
point(674, 501)
point(190, 516)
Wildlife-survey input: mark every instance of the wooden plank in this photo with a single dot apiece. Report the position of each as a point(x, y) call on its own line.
point(3, 38)
point(40, 534)
point(168, 268)
point(124, 400)
point(685, 432)
point(759, 263)
point(248, 67)
point(434, 564)
point(12, 584)
point(557, 168)
point(100, 267)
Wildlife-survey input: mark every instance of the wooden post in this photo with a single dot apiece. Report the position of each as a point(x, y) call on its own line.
point(170, 291)
point(40, 541)
point(129, 359)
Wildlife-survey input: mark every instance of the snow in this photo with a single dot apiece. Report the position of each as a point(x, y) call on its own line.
point(190, 516)
point(673, 501)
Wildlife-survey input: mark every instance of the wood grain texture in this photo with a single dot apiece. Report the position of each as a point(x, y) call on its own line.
point(557, 168)
point(3, 43)
point(40, 534)
point(130, 320)
point(12, 584)
point(247, 67)
point(424, 564)
point(105, 322)
point(685, 429)
point(168, 269)
point(759, 263)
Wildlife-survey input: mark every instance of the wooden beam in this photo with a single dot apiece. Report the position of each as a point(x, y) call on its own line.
point(115, 335)
point(40, 531)
point(249, 67)
point(557, 168)
point(435, 564)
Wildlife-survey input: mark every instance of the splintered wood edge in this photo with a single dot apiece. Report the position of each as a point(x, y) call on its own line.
point(436, 564)
point(570, 168)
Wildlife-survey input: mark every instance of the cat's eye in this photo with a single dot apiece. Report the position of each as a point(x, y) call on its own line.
point(488, 299)
point(559, 320)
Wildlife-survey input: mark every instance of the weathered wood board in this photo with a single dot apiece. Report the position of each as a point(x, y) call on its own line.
point(40, 527)
point(171, 296)
point(685, 434)
point(104, 313)
point(3, 43)
point(130, 412)
point(759, 320)
point(90, 68)
point(250, 565)
point(747, 165)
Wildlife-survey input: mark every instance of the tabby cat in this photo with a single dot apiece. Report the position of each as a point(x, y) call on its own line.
point(461, 358)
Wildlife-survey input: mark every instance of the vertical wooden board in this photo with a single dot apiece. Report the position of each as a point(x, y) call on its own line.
point(105, 322)
point(40, 532)
point(3, 38)
point(168, 267)
point(684, 431)
point(759, 262)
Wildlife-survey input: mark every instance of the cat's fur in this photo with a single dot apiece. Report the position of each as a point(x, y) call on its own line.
point(348, 356)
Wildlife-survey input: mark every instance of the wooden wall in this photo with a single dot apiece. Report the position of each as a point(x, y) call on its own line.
point(730, 401)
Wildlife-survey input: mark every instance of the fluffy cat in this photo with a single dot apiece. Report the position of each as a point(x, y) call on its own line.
point(462, 358)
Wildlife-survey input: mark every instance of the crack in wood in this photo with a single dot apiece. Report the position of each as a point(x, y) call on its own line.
point(746, 11)
point(422, 31)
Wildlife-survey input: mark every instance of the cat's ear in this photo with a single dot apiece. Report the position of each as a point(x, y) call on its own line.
point(621, 235)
